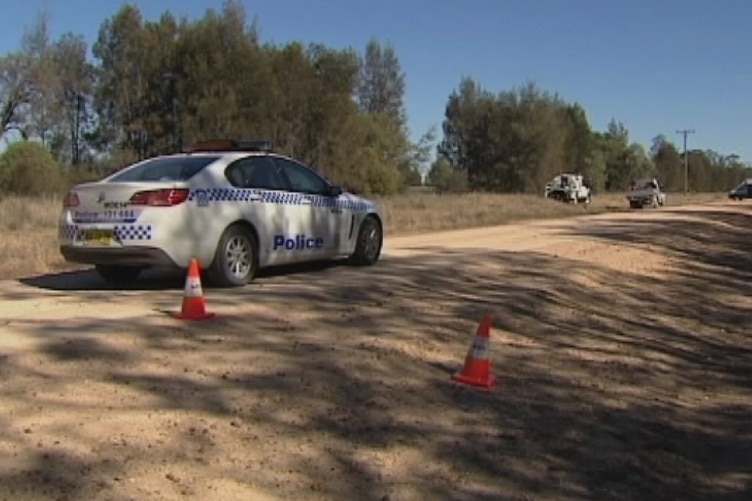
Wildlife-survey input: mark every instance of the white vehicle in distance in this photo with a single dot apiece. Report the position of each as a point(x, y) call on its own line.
point(235, 206)
point(569, 188)
point(646, 192)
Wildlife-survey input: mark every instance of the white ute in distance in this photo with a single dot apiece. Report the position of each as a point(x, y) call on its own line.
point(235, 206)
point(646, 192)
point(570, 188)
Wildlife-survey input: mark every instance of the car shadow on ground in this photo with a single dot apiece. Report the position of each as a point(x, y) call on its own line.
point(611, 385)
point(88, 280)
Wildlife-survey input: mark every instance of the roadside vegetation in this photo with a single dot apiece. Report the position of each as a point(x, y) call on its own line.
point(29, 224)
point(155, 86)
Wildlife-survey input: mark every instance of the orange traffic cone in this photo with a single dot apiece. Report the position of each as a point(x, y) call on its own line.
point(194, 305)
point(477, 370)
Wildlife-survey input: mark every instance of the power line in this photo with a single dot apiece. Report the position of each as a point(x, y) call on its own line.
point(685, 132)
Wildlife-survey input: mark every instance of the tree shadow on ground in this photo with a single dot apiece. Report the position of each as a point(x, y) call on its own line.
point(336, 384)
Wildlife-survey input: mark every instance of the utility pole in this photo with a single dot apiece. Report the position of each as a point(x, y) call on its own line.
point(685, 132)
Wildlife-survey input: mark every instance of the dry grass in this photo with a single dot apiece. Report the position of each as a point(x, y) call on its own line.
point(29, 236)
point(424, 211)
point(29, 225)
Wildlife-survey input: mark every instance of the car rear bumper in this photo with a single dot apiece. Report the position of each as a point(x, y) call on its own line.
point(131, 255)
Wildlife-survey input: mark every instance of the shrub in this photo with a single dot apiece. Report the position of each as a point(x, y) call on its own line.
point(28, 168)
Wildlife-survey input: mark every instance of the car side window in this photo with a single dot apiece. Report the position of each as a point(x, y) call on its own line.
point(255, 172)
point(302, 179)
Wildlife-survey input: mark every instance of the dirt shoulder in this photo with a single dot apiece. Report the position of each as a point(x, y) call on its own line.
point(619, 343)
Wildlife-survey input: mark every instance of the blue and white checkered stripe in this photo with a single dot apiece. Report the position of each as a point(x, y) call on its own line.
point(68, 232)
point(132, 232)
point(122, 233)
point(272, 197)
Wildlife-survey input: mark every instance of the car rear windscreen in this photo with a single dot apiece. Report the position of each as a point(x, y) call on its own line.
point(165, 169)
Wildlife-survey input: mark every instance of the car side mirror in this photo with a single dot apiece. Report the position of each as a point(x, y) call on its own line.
point(335, 191)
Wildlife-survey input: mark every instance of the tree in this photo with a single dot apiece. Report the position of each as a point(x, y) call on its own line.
point(458, 122)
point(614, 146)
point(121, 95)
point(381, 88)
point(578, 144)
point(42, 116)
point(511, 142)
point(380, 95)
point(421, 153)
point(445, 178)
point(155, 86)
point(668, 163)
point(73, 95)
point(15, 92)
point(26, 77)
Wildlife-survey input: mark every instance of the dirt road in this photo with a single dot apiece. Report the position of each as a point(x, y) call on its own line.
point(621, 345)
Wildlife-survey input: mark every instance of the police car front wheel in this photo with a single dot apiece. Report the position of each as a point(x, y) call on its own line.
point(370, 240)
point(235, 260)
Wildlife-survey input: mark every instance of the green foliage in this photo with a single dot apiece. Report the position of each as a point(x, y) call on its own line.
point(157, 85)
point(513, 141)
point(445, 178)
point(517, 140)
point(15, 92)
point(382, 82)
point(28, 168)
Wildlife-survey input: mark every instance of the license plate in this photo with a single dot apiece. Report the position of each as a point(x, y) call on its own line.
point(97, 237)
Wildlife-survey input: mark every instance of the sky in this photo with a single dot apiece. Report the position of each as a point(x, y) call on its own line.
point(657, 66)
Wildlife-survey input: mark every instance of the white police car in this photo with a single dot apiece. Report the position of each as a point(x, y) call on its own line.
point(236, 206)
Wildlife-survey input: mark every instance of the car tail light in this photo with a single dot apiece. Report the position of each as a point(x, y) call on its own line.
point(160, 198)
point(70, 200)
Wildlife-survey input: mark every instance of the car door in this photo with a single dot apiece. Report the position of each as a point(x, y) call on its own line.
point(318, 215)
point(264, 188)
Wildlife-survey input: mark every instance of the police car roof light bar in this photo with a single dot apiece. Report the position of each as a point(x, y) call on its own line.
point(232, 145)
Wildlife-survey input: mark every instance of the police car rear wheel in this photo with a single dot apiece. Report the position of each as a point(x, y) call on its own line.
point(370, 240)
point(235, 259)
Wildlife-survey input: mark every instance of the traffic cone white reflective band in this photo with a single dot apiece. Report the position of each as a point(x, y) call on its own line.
point(479, 348)
point(477, 368)
point(193, 287)
point(194, 305)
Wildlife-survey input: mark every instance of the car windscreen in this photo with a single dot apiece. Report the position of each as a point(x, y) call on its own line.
point(645, 184)
point(165, 169)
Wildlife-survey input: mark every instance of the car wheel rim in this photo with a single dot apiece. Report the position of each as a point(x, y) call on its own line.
point(239, 257)
point(371, 241)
